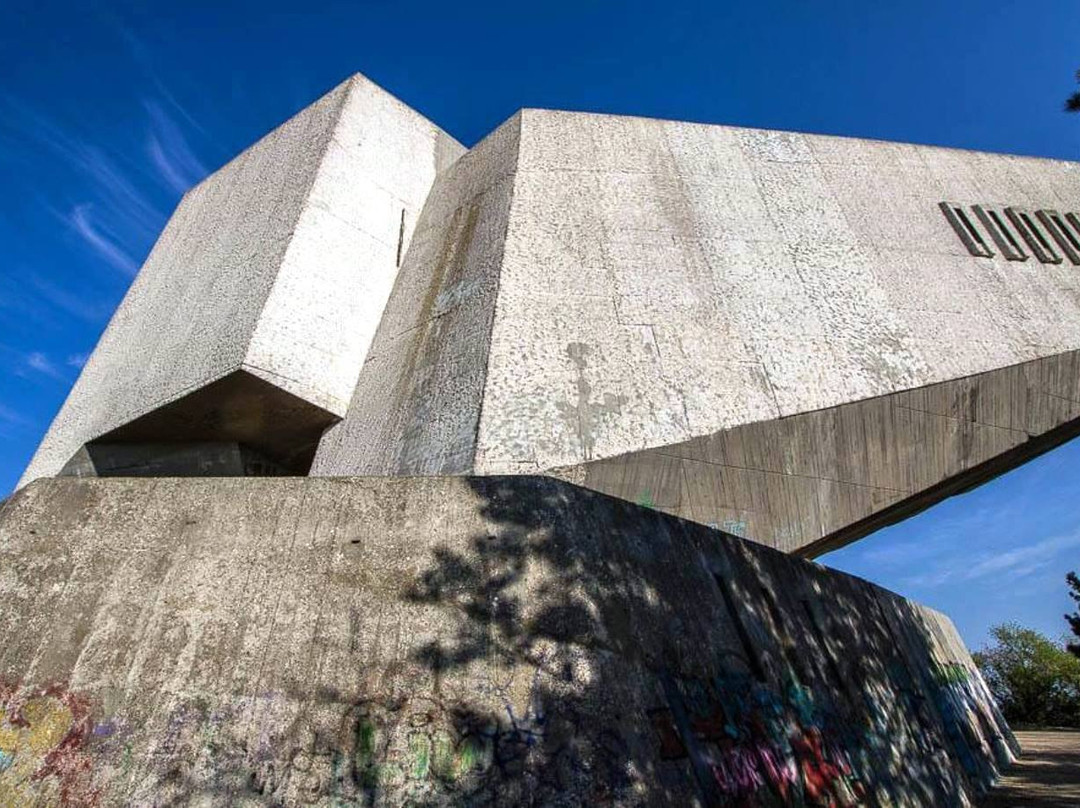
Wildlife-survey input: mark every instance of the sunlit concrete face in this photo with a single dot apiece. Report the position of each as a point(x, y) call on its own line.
point(277, 266)
point(685, 316)
point(788, 336)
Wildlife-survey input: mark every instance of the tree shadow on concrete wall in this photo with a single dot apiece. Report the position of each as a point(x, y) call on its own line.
point(602, 653)
point(670, 664)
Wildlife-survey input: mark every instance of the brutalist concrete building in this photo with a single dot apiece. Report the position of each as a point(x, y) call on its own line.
point(414, 474)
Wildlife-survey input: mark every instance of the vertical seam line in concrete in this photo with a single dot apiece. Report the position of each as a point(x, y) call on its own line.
point(495, 298)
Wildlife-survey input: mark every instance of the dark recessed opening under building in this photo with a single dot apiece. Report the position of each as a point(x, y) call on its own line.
point(237, 426)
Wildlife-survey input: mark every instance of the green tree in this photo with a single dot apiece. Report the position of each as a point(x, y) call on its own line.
point(1072, 103)
point(1034, 680)
point(1074, 619)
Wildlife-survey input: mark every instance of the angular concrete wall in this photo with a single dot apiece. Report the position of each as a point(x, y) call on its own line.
point(277, 265)
point(665, 281)
point(417, 402)
point(665, 288)
point(812, 482)
point(447, 641)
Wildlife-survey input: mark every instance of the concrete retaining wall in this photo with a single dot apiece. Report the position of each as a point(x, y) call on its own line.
point(448, 641)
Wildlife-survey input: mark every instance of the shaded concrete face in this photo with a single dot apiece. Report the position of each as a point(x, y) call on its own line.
point(188, 459)
point(278, 264)
point(813, 482)
point(242, 409)
point(497, 641)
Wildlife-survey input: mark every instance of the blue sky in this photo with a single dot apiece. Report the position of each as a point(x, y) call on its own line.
point(109, 111)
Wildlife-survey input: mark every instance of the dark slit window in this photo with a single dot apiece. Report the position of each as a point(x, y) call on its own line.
point(1033, 235)
point(1061, 233)
point(963, 226)
point(1000, 233)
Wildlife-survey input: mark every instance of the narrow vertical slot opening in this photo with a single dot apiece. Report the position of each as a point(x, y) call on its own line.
point(1005, 231)
point(965, 230)
point(400, 237)
point(1066, 231)
point(1035, 231)
point(1000, 233)
point(972, 230)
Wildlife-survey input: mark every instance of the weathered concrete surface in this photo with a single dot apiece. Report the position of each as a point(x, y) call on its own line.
point(813, 482)
point(665, 281)
point(446, 641)
point(416, 408)
point(646, 291)
point(277, 265)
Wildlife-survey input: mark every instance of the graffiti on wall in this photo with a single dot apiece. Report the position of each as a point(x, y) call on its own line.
point(383, 750)
point(740, 738)
point(748, 742)
point(42, 756)
point(750, 745)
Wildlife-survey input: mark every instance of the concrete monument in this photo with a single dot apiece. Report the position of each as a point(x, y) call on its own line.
point(528, 394)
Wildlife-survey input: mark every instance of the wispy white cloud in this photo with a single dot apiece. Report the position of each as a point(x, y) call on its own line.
point(118, 195)
point(40, 363)
point(1024, 560)
point(903, 553)
point(12, 422)
point(141, 53)
point(170, 152)
point(88, 307)
point(79, 220)
point(77, 360)
point(1007, 566)
point(10, 417)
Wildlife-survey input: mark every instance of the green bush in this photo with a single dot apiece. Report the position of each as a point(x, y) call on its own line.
point(1034, 680)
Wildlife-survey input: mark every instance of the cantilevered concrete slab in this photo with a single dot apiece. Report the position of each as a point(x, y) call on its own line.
point(275, 267)
point(660, 284)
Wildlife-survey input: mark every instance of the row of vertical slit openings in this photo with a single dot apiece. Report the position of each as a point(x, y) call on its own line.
point(1003, 230)
point(968, 233)
point(1033, 235)
point(1063, 234)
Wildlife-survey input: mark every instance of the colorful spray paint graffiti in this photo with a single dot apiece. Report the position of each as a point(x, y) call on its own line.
point(42, 759)
point(969, 714)
point(381, 751)
point(418, 749)
point(744, 741)
point(748, 745)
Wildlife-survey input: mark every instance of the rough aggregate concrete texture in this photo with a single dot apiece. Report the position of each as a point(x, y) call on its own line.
point(448, 641)
point(278, 265)
point(660, 283)
point(416, 407)
point(815, 481)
